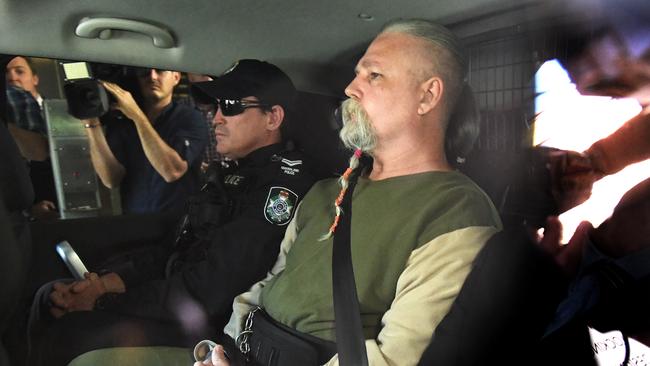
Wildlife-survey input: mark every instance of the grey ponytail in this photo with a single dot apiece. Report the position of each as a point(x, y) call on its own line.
point(463, 127)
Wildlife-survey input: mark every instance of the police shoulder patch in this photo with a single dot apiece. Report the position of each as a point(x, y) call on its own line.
point(279, 205)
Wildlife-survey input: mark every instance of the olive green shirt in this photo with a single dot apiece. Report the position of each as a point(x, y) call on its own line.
point(413, 241)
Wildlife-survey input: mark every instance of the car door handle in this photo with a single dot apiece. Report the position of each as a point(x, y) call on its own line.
point(102, 28)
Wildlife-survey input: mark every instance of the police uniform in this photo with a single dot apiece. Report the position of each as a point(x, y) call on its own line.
point(235, 228)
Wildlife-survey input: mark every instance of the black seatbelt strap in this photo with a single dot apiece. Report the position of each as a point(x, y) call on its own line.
point(350, 341)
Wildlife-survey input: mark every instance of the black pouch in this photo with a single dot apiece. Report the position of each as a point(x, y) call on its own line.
point(273, 343)
point(211, 207)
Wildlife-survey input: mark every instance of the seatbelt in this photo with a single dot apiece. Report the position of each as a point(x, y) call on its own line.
point(350, 341)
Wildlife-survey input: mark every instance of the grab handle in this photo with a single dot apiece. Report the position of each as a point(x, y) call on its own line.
point(102, 28)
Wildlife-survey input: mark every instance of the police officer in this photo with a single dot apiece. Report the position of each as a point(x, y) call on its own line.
point(228, 240)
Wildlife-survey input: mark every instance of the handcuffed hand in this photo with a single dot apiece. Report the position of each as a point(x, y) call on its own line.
point(76, 296)
point(218, 358)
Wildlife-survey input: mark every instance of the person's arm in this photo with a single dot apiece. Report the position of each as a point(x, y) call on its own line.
point(32, 145)
point(432, 278)
point(164, 159)
point(108, 168)
point(573, 174)
point(628, 145)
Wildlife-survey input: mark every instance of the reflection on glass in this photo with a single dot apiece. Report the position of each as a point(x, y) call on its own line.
point(570, 121)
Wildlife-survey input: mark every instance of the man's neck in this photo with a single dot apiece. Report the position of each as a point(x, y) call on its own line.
point(398, 159)
point(271, 139)
point(384, 169)
point(154, 108)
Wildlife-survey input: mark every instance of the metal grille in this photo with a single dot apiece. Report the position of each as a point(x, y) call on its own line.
point(501, 69)
point(501, 72)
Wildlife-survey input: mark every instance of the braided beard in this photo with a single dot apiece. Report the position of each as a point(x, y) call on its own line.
point(357, 131)
point(357, 134)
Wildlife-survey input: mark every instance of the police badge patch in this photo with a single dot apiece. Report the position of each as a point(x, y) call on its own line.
point(279, 205)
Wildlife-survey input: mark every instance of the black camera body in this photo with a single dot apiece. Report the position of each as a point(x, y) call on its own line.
point(86, 98)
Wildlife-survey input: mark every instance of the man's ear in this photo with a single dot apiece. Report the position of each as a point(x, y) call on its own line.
point(177, 77)
point(36, 79)
point(276, 117)
point(431, 95)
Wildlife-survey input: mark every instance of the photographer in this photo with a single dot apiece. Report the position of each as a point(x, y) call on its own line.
point(155, 155)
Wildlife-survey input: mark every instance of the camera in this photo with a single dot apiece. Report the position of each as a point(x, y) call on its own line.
point(86, 96)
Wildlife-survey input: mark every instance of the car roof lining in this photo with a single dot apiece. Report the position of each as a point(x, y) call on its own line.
point(317, 43)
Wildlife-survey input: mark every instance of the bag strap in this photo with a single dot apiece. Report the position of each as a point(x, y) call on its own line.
point(350, 341)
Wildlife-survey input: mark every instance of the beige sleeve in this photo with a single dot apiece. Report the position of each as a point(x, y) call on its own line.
point(244, 303)
point(425, 291)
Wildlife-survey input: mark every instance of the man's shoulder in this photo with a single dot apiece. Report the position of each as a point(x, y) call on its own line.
point(184, 113)
point(268, 167)
point(280, 178)
point(463, 203)
point(183, 120)
point(183, 107)
point(289, 166)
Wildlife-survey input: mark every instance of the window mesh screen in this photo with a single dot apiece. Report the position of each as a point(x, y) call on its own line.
point(501, 68)
point(501, 73)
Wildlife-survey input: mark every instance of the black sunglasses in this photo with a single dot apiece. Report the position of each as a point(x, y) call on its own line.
point(233, 107)
point(143, 71)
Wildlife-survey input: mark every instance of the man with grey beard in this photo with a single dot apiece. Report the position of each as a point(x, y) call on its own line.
point(417, 223)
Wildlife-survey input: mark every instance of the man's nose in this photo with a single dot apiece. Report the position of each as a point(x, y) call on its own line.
point(352, 90)
point(218, 117)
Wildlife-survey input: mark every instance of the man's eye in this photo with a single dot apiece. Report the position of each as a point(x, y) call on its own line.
point(374, 75)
